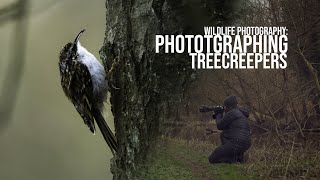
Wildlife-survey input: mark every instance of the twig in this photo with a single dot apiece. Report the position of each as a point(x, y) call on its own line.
point(311, 70)
point(285, 174)
point(313, 26)
point(9, 12)
point(14, 71)
point(213, 101)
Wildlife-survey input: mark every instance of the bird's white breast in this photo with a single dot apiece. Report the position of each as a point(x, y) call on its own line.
point(97, 72)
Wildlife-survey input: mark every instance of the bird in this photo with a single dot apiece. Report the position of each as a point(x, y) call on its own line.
point(84, 82)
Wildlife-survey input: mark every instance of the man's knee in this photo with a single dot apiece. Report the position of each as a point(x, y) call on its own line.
point(212, 160)
point(225, 153)
point(215, 157)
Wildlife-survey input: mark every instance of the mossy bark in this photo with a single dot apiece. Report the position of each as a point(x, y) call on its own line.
point(146, 86)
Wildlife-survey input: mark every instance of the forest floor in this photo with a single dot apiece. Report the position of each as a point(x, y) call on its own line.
point(175, 158)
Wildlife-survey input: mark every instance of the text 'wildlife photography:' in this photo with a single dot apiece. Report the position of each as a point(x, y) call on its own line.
point(159, 89)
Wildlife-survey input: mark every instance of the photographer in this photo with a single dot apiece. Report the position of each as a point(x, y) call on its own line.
point(235, 138)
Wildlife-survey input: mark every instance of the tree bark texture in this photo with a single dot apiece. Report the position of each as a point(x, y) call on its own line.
point(146, 86)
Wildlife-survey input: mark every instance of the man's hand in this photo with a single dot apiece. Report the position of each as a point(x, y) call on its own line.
point(218, 110)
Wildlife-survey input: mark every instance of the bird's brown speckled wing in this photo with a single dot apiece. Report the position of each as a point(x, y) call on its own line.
point(77, 86)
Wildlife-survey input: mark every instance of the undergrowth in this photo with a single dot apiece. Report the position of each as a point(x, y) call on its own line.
point(174, 158)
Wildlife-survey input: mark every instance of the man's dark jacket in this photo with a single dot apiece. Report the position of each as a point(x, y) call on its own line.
point(235, 127)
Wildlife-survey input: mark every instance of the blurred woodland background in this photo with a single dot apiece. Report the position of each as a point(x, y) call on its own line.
point(41, 134)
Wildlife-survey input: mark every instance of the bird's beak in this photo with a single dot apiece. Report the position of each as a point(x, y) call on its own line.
point(78, 36)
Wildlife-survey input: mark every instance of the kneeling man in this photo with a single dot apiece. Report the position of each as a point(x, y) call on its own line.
point(235, 138)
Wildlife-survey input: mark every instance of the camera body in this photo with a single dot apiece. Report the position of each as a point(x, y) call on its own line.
point(215, 109)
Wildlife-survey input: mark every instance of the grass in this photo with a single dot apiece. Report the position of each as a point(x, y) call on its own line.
point(298, 160)
point(173, 158)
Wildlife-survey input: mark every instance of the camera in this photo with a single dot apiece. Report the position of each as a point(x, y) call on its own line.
point(215, 109)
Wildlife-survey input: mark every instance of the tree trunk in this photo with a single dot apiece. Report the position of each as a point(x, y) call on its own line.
point(146, 86)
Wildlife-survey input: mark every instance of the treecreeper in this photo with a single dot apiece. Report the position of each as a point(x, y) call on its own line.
point(84, 82)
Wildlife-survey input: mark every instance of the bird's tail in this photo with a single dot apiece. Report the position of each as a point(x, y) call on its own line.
point(106, 132)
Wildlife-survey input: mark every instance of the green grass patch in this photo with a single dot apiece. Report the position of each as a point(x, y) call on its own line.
point(172, 158)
